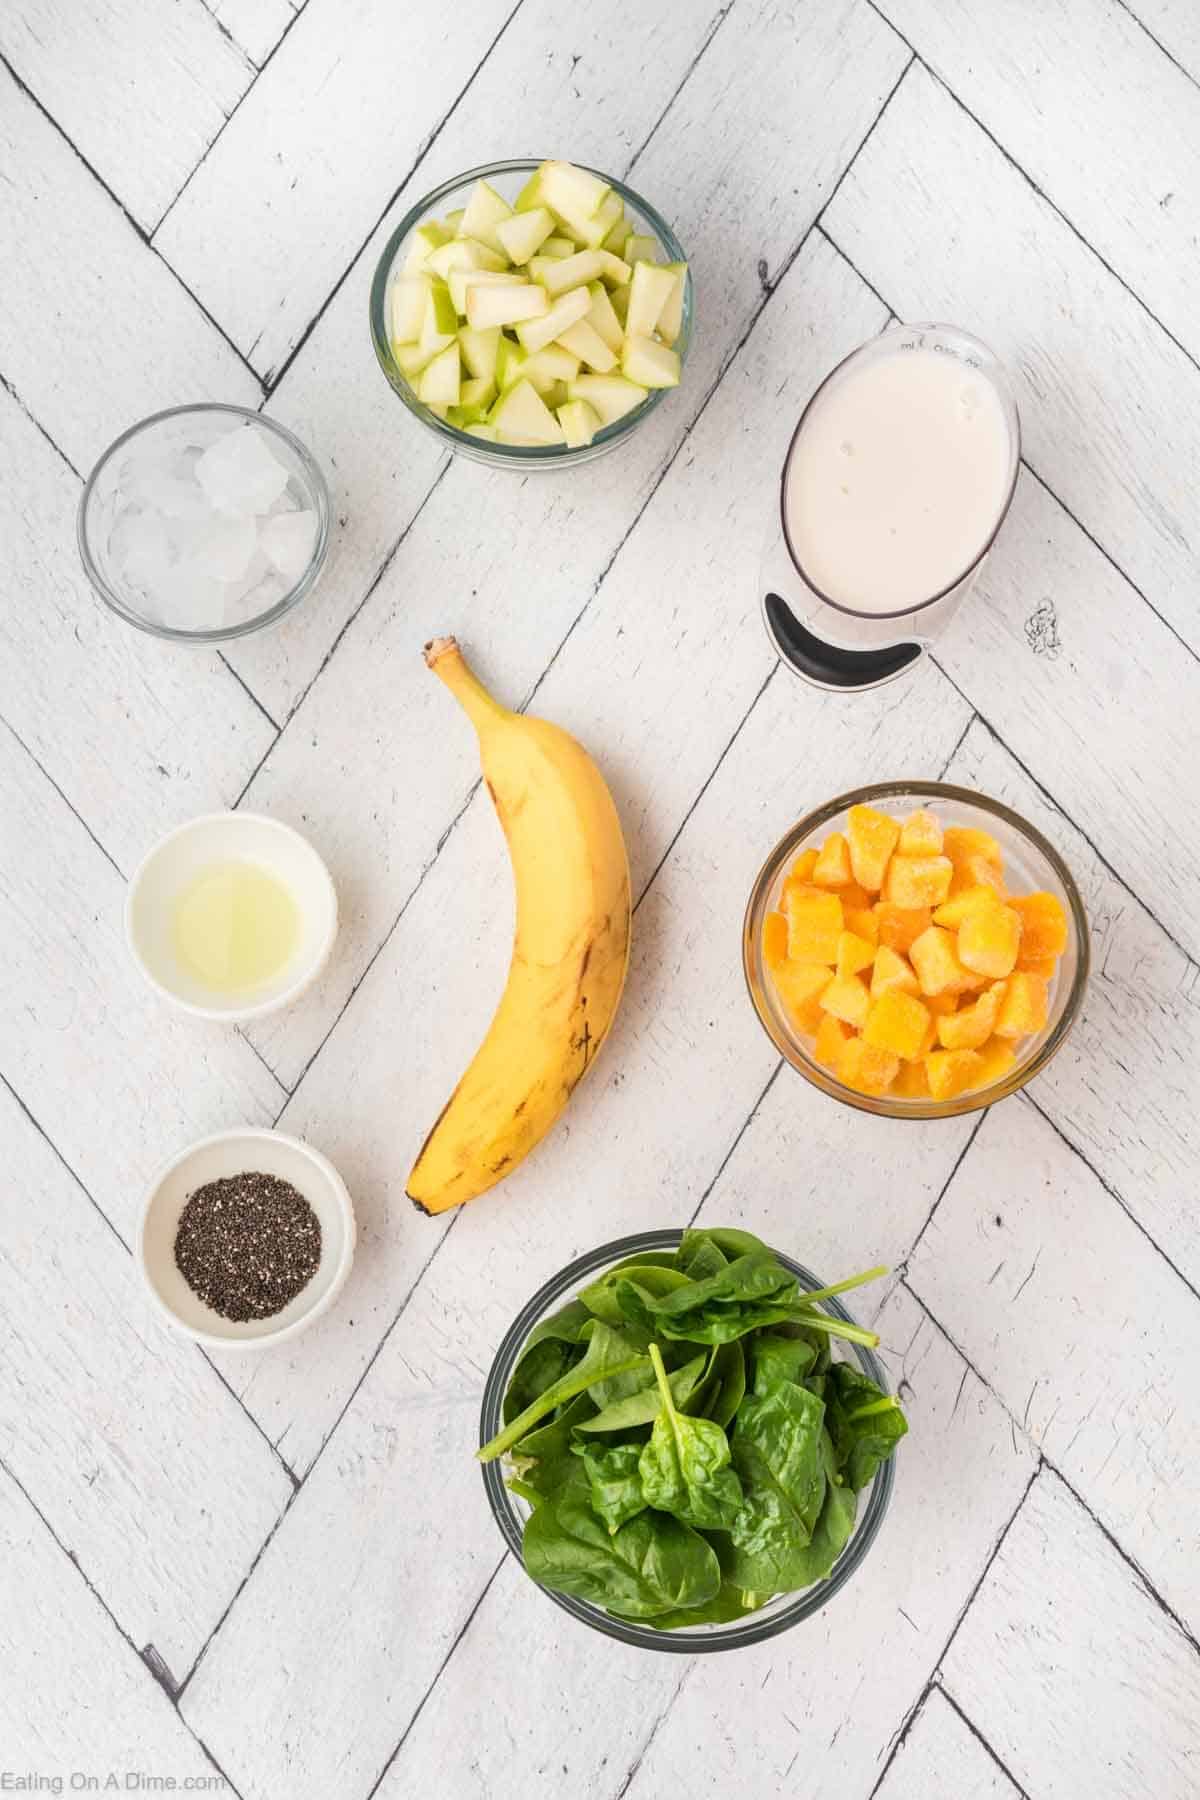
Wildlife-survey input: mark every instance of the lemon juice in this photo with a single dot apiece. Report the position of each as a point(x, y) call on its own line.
point(236, 926)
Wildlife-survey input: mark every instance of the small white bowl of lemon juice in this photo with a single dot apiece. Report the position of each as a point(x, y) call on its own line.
point(231, 916)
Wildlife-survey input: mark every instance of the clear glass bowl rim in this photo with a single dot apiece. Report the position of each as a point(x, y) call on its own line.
point(226, 633)
point(752, 1630)
point(518, 455)
point(889, 1106)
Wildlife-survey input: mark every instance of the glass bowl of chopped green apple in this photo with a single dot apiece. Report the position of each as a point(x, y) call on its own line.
point(532, 314)
point(687, 1440)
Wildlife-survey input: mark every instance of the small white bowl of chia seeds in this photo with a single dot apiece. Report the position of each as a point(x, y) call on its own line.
point(245, 1238)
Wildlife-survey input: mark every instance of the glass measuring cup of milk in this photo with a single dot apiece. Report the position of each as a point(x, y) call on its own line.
point(896, 481)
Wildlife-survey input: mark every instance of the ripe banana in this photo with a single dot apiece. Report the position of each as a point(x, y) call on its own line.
point(570, 951)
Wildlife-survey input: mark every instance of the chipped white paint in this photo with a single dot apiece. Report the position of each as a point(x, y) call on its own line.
point(1005, 1265)
point(945, 227)
point(1069, 1668)
point(109, 1418)
point(98, 69)
point(942, 1759)
point(633, 619)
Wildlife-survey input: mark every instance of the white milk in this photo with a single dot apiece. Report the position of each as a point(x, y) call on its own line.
point(897, 479)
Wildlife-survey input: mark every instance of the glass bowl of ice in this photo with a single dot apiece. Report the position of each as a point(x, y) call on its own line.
point(204, 523)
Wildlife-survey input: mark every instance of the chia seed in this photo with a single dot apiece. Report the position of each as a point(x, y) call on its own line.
point(247, 1245)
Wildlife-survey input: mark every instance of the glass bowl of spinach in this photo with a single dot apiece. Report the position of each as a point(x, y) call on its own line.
point(687, 1440)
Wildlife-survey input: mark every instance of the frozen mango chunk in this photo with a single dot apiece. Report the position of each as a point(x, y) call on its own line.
point(872, 837)
point(934, 956)
point(814, 926)
point(921, 834)
point(860, 920)
point(911, 1083)
point(952, 1072)
point(846, 998)
point(988, 941)
point(996, 1059)
point(959, 841)
point(940, 1005)
point(971, 1025)
point(864, 1066)
point(799, 986)
point(892, 971)
point(897, 1022)
point(1045, 966)
point(831, 1035)
point(805, 863)
point(952, 912)
point(1043, 925)
point(1025, 1005)
point(854, 953)
point(914, 881)
point(901, 926)
point(774, 939)
point(832, 868)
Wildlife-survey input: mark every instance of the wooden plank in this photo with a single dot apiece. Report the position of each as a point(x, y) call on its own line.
point(136, 735)
point(141, 1462)
point(1096, 115)
point(117, 1079)
point(622, 677)
point(946, 228)
point(140, 90)
point(74, 1697)
point(942, 1759)
point(827, 1699)
point(1122, 1088)
point(302, 172)
point(1024, 1232)
point(805, 112)
point(1071, 1669)
point(257, 25)
point(1053, 648)
point(379, 462)
point(1175, 25)
point(141, 342)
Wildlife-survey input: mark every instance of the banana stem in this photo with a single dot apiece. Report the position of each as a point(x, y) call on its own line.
point(444, 657)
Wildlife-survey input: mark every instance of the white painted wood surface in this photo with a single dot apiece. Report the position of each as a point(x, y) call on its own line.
point(167, 1594)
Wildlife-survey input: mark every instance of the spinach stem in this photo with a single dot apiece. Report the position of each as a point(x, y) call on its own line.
point(523, 1491)
point(841, 1287)
point(888, 1404)
point(565, 1388)
point(837, 1328)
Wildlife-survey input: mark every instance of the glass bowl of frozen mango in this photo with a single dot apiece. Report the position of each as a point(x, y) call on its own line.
point(532, 314)
point(916, 950)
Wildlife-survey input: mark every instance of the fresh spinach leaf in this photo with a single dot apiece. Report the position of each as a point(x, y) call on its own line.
point(653, 1564)
point(728, 1373)
point(865, 1424)
point(779, 1358)
point(729, 1241)
point(753, 1291)
point(543, 1457)
point(606, 1355)
point(832, 1529)
point(547, 1354)
point(701, 1259)
point(611, 1343)
point(777, 1453)
point(685, 1468)
point(600, 1298)
point(613, 1481)
point(643, 1407)
point(728, 1603)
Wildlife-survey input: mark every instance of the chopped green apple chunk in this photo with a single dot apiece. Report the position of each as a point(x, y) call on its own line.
point(545, 367)
point(440, 323)
point(521, 413)
point(649, 363)
point(440, 379)
point(649, 291)
point(484, 211)
point(640, 249)
point(587, 344)
point(463, 253)
point(558, 247)
point(566, 189)
point(408, 300)
point(459, 280)
point(488, 433)
point(453, 220)
point(618, 236)
point(410, 360)
point(614, 270)
point(602, 319)
point(425, 238)
point(619, 299)
point(510, 360)
point(480, 350)
point(494, 305)
point(475, 400)
point(523, 234)
point(580, 423)
point(536, 333)
point(670, 319)
point(557, 275)
point(611, 396)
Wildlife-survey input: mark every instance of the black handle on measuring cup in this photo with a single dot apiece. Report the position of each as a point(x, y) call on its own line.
point(826, 664)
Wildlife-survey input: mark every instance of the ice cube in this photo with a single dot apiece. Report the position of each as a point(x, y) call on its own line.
point(139, 549)
point(243, 597)
point(289, 539)
point(168, 494)
point(221, 549)
point(239, 473)
point(196, 602)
